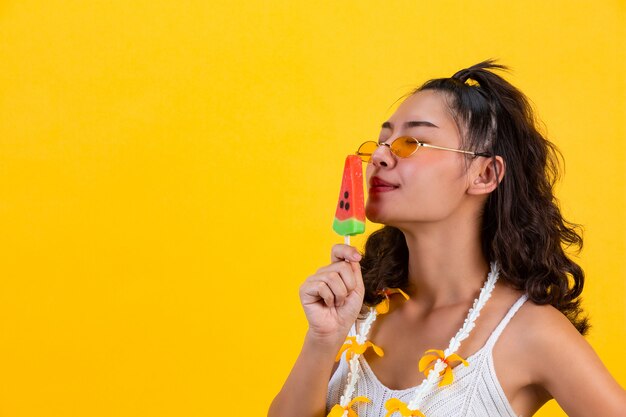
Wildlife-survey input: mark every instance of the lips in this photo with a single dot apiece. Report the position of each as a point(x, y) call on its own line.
point(378, 185)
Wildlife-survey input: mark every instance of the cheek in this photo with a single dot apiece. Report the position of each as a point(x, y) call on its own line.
point(437, 169)
point(426, 173)
point(435, 185)
point(431, 188)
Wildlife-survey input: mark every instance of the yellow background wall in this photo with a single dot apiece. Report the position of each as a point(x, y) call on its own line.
point(169, 172)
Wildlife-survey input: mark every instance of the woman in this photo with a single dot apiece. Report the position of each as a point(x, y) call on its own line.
point(462, 180)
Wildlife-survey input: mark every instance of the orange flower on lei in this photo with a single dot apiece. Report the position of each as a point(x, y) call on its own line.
point(337, 410)
point(395, 405)
point(430, 358)
point(353, 347)
point(383, 306)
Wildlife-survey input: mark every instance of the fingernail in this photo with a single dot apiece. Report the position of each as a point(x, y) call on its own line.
point(356, 257)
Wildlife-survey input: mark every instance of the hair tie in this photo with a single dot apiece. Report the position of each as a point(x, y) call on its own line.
point(465, 77)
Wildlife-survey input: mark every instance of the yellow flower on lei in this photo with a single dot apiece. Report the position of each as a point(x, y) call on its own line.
point(430, 358)
point(353, 347)
point(394, 405)
point(383, 306)
point(337, 410)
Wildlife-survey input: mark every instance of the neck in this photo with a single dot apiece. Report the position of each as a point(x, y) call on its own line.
point(446, 264)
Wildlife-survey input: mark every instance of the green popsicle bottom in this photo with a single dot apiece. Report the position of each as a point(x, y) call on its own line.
point(348, 227)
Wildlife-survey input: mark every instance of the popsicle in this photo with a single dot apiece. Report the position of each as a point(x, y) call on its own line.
point(350, 213)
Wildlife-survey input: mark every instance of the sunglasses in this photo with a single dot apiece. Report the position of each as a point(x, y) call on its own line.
point(405, 146)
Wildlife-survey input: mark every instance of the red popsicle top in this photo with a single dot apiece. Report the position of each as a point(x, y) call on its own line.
point(350, 213)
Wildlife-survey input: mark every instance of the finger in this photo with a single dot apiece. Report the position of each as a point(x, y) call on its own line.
point(336, 285)
point(342, 252)
point(315, 291)
point(326, 293)
point(358, 277)
point(344, 270)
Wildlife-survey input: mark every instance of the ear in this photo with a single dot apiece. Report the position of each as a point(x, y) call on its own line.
point(486, 175)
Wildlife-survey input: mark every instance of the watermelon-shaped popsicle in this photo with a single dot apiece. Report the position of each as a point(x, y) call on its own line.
point(350, 213)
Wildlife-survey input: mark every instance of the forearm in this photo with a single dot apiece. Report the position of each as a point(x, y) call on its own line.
point(304, 391)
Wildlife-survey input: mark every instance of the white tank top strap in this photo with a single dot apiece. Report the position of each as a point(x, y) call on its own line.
point(501, 326)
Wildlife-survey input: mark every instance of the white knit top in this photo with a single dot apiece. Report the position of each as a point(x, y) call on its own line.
point(475, 391)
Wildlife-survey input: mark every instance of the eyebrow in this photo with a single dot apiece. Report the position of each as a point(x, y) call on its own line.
point(412, 123)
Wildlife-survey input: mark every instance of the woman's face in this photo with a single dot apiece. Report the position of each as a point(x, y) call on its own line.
point(428, 186)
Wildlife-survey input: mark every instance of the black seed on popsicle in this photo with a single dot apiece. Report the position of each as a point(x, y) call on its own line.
point(347, 206)
point(341, 204)
point(345, 195)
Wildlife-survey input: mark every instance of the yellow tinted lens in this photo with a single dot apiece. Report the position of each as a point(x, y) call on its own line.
point(404, 146)
point(366, 150)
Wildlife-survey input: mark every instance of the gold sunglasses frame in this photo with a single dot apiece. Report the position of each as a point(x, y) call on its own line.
point(419, 145)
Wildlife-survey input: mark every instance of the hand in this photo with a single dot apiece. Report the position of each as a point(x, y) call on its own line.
point(333, 296)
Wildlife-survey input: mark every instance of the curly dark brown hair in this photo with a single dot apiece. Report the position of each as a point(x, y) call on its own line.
point(522, 226)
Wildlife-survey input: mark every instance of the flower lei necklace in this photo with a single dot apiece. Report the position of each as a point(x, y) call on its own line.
point(434, 363)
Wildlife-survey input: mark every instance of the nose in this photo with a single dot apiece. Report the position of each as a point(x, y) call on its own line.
point(383, 157)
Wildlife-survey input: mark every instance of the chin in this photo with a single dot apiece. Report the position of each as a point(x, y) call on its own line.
point(375, 215)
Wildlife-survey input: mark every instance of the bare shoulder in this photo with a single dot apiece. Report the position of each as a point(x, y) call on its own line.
point(540, 326)
point(536, 329)
point(534, 334)
point(552, 356)
point(542, 331)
